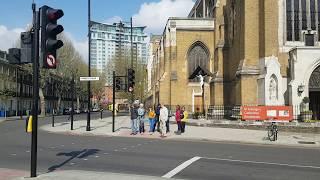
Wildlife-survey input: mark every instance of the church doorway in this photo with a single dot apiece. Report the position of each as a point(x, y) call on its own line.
point(198, 103)
point(314, 93)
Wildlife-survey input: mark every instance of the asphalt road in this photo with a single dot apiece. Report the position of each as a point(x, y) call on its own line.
point(176, 159)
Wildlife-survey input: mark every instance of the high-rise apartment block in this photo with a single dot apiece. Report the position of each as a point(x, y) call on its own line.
point(111, 43)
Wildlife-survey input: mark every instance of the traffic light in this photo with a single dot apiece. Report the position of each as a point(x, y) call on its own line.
point(14, 55)
point(131, 78)
point(118, 84)
point(22, 55)
point(26, 47)
point(49, 31)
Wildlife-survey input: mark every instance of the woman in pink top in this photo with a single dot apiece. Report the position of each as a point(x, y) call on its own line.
point(178, 119)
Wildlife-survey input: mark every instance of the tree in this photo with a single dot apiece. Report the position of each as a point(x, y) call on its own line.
point(120, 66)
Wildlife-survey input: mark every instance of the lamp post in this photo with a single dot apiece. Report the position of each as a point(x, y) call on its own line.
point(89, 66)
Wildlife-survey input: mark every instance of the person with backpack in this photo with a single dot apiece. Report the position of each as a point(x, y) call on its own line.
point(152, 116)
point(141, 113)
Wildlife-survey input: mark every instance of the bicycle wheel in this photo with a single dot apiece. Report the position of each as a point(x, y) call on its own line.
point(271, 134)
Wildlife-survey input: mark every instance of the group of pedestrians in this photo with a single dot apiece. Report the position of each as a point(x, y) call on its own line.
point(158, 119)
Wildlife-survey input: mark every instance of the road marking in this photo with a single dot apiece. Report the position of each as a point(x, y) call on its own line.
point(261, 162)
point(181, 167)
point(124, 148)
point(13, 154)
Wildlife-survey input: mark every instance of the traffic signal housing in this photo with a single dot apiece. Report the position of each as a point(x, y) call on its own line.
point(118, 84)
point(131, 80)
point(49, 31)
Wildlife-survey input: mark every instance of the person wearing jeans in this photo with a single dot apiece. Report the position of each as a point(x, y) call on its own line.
point(152, 115)
point(141, 114)
point(134, 120)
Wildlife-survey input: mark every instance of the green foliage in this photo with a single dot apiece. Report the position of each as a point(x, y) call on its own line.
point(121, 65)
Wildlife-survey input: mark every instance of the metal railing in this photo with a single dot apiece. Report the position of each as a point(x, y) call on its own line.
point(233, 112)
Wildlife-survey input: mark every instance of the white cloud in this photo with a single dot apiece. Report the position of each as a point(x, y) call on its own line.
point(113, 19)
point(80, 46)
point(9, 37)
point(154, 15)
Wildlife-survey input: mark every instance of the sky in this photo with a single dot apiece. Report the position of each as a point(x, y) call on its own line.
point(16, 15)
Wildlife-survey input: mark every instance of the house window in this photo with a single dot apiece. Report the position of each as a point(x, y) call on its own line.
point(301, 15)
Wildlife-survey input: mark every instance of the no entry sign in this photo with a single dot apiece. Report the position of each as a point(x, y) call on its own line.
point(51, 61)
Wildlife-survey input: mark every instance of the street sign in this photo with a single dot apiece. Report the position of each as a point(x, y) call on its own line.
point(89, 78)
point(51, 61)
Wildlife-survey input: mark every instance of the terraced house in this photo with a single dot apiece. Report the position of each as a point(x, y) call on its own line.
point(260, 52)
point(16, 89)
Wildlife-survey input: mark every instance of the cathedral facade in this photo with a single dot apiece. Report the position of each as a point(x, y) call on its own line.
point(260, 52)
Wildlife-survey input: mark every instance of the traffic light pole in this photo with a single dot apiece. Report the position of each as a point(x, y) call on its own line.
point(72, 99)
point(131, 27)
point(89, 66)
point(35, 57)
point(113, 99)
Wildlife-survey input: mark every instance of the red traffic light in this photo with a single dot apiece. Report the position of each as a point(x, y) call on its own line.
point(54, 14)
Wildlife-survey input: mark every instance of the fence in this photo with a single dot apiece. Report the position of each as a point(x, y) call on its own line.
point(219, 112)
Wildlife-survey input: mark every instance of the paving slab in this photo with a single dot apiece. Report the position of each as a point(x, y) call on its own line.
point(85, 175)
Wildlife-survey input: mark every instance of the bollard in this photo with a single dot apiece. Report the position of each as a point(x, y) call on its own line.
point(101, 114)
point(52, 118)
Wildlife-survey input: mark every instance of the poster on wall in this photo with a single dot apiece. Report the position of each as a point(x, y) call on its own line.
point(267, 113)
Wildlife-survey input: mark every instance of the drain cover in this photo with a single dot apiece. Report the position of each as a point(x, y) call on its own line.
point(306, 142)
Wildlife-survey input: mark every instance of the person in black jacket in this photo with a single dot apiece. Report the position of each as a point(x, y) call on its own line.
point(157, 123)
point(134, 119)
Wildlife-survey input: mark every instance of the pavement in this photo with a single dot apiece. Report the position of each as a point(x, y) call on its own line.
point(103, 127)
point(85, 175)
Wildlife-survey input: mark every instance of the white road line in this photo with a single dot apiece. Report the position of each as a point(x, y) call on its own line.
point(181, 167)
point(261, 162)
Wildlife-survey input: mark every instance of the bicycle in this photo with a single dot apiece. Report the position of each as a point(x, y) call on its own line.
point(272, 132)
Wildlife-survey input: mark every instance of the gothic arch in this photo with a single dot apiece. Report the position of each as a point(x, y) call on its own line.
point(198, 55)
point(314, 81)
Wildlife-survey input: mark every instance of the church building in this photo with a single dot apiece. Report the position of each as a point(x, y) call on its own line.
point(258, 52)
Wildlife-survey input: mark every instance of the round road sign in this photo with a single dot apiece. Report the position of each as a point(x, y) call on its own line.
point(51, 60)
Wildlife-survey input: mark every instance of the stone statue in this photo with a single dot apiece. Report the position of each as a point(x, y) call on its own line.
point(201, 81)
point(273, 90)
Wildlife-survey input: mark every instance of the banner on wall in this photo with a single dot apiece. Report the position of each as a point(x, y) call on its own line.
point(272, 113)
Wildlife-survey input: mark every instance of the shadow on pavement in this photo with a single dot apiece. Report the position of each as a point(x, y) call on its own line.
point(121, 128)
point(73, 154)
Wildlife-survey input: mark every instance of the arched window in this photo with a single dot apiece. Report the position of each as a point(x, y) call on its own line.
point(314, 82)
point(197, 56)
